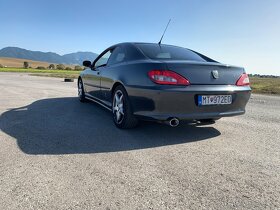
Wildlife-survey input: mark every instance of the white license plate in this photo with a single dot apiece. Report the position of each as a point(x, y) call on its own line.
point(214, 99)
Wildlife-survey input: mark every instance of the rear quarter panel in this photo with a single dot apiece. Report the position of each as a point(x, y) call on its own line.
point(129, 74)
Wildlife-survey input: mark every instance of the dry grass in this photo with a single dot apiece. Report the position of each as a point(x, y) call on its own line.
point(265, 85)
point(18, 63)
point(45, 73)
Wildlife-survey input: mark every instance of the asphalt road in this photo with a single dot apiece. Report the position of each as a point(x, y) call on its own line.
point(57, 153)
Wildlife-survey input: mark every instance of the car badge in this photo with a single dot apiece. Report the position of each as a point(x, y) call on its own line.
point(215, 74)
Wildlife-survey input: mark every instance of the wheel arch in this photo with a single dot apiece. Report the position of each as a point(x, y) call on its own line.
point(129, 120)
point(79, 78)
point(116, 84)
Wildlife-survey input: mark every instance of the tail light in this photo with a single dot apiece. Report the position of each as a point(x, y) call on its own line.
point(166, 77)
point(243, 80)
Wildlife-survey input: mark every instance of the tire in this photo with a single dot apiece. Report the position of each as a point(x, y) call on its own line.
point(121, 109)
point(81, 92)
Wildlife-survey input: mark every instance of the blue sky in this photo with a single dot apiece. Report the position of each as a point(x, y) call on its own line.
point(240, 32)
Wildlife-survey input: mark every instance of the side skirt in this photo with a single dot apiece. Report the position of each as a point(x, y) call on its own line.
point(97, 101)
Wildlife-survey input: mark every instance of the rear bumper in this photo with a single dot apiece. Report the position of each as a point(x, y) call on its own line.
point(162, 102)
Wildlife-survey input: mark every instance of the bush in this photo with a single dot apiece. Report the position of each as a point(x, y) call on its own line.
point(60, 67)
point(25, 64)
point(68, 68)
point(51, 66)
point(1, 66)
point(78, 68)
point(40, 67)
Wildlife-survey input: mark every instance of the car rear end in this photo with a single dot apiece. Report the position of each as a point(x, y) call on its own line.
point(190, 87)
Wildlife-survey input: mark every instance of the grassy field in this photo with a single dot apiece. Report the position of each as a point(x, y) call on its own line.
point(265, 85)
point(68, 74)
point(258, 85)
point(45, 73)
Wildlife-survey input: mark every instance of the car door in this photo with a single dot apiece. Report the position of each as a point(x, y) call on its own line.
point(92, 80)
point(108, 74)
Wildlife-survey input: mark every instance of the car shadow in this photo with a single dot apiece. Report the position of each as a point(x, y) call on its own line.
point(66, 126)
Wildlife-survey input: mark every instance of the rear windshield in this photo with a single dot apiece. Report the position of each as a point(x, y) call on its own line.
point(167, 52)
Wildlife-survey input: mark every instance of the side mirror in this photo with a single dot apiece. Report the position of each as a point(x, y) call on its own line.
point(87, 64)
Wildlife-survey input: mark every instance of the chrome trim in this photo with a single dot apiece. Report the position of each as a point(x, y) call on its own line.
point(96, 101)
point(88, 84)
point(174, 122)
point(215, 74)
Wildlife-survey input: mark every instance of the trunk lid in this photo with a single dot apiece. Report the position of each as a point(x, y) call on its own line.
point(204, 73)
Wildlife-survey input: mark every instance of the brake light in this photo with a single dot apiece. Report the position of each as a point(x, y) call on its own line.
point(243, 80)
point(166, 77)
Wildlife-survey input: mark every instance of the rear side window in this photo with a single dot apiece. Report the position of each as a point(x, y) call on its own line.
point(166, 52)
point(118, 56)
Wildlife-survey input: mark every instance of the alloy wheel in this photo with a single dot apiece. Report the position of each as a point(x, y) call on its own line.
point(80, 89)
point(118, 106)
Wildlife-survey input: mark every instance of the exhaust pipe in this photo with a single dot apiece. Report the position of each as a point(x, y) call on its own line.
point(173, 122)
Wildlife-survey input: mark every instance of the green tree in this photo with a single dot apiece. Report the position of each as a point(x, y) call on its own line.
point(41, 67)
point(68, 68)
point(51, 66)
point(25, 64)
point(60, 66)
point(78, 68)
point(1, 66)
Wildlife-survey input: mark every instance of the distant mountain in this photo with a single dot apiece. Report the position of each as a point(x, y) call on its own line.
point(50, 57)
point(78, 57)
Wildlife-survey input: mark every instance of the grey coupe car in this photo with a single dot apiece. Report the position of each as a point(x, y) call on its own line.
point(163, 83)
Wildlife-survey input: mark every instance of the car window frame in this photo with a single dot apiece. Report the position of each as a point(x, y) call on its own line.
point(100, 56)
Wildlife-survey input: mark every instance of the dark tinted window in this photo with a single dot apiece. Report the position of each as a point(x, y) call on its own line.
point(166, 52)
point(133, 53)
point(118, 56)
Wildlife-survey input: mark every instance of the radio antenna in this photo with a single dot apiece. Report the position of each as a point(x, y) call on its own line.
point(164, 32)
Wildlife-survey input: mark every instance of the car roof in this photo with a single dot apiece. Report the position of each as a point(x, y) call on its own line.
point(135, 43)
